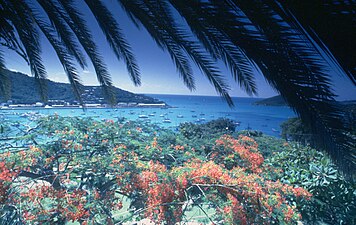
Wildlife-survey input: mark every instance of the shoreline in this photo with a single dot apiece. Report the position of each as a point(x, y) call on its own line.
point(139, 105)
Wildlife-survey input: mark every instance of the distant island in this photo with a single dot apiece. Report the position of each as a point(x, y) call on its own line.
point(279, 101)
point(24, 92)
point(273, 101)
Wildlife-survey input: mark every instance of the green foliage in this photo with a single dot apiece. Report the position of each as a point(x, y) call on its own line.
point(294, 129)
point(9, 215)
point(121, 170)
point(83, 170)
point(202, 136)
point(334, 197)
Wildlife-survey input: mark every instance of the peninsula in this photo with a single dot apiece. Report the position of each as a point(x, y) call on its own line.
point(273, 101)
point(24, 92)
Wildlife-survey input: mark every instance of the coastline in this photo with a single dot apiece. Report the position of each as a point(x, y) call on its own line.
point(91, 106)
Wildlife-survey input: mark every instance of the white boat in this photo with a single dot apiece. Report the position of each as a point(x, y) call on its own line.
point(142, 116)
point(167, 120)
point(151, 114)
point(180, 116)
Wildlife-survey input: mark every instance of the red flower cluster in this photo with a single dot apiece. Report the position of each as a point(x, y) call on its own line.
point(251, 198)
point(235, 212)
point(160, 192)
point(246, 148)
point(6, 176)
point(69, 205)
point(5, 173)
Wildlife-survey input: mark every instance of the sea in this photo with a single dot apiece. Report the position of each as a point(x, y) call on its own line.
point(184, 108)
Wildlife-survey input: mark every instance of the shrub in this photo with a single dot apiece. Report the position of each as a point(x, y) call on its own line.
point(334, 197)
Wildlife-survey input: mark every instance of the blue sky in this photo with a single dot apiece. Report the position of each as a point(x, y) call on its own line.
point(159, 75)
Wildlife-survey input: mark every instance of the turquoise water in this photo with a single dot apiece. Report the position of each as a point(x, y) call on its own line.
point(197, 109)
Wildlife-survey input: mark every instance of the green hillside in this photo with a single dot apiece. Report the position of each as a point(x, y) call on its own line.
point(24, 90)
point(273, 101)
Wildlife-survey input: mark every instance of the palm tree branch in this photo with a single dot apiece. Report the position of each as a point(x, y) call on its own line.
point(164, 22)
point(323, 21)
point(295, 68)
point(115, 38)
point(218, 44)
point(138, 11)
point(8, 36)
point(5, 85)
point(21, 17)
point(66, 35)
point(64, 57)
point(77, 23)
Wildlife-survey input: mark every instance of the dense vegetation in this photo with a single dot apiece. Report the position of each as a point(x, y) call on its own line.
point(24, 90)
point(64, 170)
point(293, 128)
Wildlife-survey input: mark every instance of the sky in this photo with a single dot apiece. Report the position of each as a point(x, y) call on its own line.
point(158, 73)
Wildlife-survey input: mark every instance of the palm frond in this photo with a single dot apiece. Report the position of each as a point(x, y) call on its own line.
point(139, 12)
point(66, 35)
point(64, 56)
point(161, 10)
point(189, 11)
point(115, 38)
point(293, 66)
point(21, 17)
point(158, 20)
point(217, 43)
point(8, 35)
point(332, 25)
point(290, 62)
point(5, 85)
point(77, 23)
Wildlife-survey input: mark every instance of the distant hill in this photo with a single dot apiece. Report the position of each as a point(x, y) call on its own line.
point(279, 101)
point(24, 90)
point(273, 101)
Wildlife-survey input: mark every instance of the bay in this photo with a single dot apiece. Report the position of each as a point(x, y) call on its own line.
point(185, 108)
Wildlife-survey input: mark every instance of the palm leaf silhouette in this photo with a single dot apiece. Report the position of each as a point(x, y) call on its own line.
point(115, 38)
point(77, 23)
point(65, 34)
point(4, 79)
point(64, 57)
point(20, 15)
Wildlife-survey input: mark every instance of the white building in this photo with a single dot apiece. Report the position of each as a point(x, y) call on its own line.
point(38, 104)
